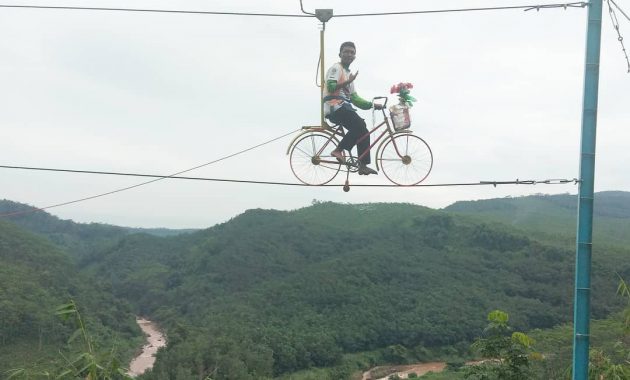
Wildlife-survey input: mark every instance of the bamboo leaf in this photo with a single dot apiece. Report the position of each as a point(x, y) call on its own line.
point(74, 335)
point(63, 312)
point(15, 372)
point(64, 374)
point(623, 289)
point(66, 308)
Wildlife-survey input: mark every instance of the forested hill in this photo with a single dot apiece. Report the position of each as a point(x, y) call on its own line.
point(35, 278)
point(270, 292)
point(78, 239)
point(554, 215)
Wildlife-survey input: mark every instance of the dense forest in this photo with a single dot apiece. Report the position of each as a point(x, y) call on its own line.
point(553, 217)
point(271, 293)
point(76, 239)
point(35, 278)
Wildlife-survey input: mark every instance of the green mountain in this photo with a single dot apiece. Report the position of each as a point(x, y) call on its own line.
point(80, 240)
point(35, 278)
point(553, 217)
point(272, 292)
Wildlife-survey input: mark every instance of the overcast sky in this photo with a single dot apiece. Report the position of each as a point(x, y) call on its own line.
point(499, 98)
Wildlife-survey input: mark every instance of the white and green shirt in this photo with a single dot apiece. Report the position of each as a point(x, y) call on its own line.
point(333, 100)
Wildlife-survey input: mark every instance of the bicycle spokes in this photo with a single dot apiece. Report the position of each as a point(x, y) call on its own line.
point(310, 161)
point(406, 160)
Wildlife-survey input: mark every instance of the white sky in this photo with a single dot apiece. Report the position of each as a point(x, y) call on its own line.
point(499, 98)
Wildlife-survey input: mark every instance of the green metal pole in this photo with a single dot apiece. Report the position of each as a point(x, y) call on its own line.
point(584, 241)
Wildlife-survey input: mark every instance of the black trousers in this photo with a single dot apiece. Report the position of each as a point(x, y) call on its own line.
point(356, 129)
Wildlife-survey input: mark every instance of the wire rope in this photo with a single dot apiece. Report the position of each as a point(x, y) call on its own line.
point(156, 178)
point(620, 10)
point(303, 11)
point(580, 4)
point(310, 15)
point(615, 24)
point(75, 171)
point(147, 10)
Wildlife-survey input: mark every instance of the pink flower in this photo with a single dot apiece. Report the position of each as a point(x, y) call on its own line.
point(397, 88)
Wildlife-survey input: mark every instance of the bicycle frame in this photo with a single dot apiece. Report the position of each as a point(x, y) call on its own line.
point(337, 130)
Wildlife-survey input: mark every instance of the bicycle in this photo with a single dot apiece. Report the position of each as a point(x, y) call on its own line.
point(404, 158)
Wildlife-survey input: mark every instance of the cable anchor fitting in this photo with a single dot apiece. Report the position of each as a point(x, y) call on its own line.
point(324, 15)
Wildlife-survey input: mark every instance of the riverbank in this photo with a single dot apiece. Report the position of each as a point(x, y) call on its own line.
point(146, 358)
point(403, 371)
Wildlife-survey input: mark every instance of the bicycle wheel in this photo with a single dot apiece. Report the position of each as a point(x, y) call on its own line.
point(311, 161)
point(406, 159)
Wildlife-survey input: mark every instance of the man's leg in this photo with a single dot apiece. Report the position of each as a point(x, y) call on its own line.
point(356, 129)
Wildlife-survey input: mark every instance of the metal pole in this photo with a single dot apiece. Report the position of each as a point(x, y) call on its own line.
point(321, 72)
point(584, 241)
point(323, 15)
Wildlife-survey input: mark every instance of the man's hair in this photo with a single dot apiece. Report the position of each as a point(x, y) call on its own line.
point(345, 44)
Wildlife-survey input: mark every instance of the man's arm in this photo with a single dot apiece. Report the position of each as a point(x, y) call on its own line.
point(360, 102)
point(332, 85)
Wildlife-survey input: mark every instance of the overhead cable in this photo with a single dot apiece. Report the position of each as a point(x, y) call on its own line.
point(620, 10)
point(151, 10)
point(157, 178)
point(480, 183)
point(305, 14)
point(494, 183)
point(580, 4)
point(615, 23)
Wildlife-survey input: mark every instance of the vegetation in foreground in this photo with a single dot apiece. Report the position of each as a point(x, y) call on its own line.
point(82, 361)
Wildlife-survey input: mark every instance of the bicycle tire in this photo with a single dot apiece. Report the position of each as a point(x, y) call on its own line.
point(305, 162)
point(412, 165)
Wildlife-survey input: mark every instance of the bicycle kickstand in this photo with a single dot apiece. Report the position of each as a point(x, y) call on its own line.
point(346, 186)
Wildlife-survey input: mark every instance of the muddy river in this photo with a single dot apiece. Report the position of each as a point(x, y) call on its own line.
point(146, 358)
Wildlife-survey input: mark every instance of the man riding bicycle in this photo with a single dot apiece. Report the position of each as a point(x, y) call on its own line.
point(339, 96)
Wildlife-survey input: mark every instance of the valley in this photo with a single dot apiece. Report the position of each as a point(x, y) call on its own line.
point(324, 292)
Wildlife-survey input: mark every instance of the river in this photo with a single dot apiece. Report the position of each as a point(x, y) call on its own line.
point(146, 358)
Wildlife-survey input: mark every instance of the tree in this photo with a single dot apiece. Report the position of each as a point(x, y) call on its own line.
point(507, 355)
point(600, 365)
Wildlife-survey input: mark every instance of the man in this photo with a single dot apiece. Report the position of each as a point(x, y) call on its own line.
point(339, 96)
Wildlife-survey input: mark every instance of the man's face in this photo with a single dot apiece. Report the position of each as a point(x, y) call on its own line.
point(347, 55)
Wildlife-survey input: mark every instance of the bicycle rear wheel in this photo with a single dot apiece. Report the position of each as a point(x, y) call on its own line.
point(406, 159)
point(311, 161)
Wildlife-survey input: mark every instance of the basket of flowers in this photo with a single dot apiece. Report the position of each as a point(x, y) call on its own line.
point(400, 112)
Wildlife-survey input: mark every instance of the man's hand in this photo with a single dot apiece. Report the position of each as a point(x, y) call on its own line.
point(352, 78)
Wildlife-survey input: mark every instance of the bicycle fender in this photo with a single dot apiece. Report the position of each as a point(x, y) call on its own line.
point(306, 130)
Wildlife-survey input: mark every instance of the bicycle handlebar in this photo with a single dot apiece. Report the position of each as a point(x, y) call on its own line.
point(381, 97)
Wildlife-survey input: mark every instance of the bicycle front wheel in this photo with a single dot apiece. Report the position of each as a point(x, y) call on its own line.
point(406, 160)
point(311, 161)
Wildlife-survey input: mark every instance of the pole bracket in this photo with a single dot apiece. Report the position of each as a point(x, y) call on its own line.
point(323, 15)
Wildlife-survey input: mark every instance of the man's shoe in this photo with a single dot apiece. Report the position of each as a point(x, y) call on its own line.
point(338, 155)
point(365, 170)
